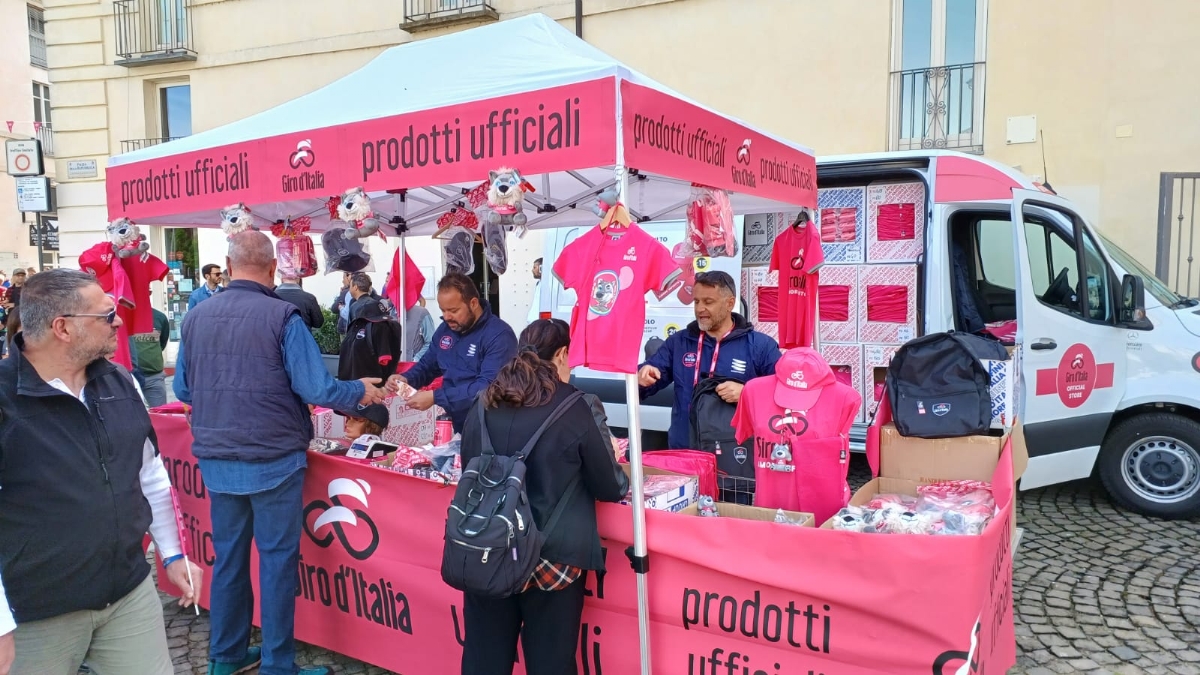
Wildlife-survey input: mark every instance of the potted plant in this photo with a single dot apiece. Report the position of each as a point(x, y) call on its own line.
point(329, 341)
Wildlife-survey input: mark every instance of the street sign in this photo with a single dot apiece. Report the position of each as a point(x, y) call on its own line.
point(24, 157)
point(81, 168)
point(33, 194)
point(49, 235)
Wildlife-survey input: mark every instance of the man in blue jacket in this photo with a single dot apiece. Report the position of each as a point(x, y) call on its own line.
point(718, 343)
point(467, 351)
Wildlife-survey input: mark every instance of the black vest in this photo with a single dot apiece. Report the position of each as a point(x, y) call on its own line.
point(72, 512)
point(243, 407)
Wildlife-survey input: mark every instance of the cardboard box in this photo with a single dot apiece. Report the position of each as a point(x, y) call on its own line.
point(887, 332)
point(908, 248)
point(743, 512)
point(675, 499)
point(908, 463)
point(876, 359)
point(328, 424)
point(847, 276)
point(848, 356)
point(842, 216)
point(1002, 388)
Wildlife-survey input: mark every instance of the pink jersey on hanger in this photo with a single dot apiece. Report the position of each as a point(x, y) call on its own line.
point(610, 272)
point(797, 255)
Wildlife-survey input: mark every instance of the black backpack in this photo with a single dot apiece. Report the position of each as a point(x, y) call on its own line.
point(710, 427)
point(939, 388)
point(493, 544)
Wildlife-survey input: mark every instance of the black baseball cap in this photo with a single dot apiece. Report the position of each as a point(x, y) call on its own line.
point(376, 412)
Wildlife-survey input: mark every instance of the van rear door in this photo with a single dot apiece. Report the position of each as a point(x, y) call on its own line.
point(1072, 357)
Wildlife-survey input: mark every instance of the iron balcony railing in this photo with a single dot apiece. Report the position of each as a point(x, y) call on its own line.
point(418, 13)
point(139, 143)
point(46, 135)
point(940, 107)
point(152, 31)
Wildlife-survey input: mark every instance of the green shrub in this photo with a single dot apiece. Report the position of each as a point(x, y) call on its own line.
point(327, 336)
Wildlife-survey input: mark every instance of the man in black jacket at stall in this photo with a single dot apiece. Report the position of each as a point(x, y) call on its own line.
point(289, 289)
point(82, 483)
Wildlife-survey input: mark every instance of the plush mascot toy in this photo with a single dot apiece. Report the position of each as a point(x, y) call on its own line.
point(127, 239)
point(506, 197)
point(355, 208)
point(236, 218)
point(605, 201)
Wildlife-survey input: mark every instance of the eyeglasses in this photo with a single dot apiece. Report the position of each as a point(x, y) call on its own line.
point(108, 318)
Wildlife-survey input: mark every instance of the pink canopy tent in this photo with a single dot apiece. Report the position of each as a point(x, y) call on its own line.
point(523, 93)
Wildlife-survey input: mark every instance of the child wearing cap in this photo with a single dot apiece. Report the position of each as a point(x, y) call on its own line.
point(371, 419)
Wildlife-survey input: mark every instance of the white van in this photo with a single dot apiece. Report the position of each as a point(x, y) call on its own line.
point(1109, 356)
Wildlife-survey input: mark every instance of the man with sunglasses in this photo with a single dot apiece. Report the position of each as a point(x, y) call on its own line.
point(719, 343)
point(82, 482)
point(210, 287)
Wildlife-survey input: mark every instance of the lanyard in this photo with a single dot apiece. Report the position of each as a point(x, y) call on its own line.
point(712, 367)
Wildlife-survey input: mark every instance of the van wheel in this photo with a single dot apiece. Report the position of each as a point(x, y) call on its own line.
point(1150, 464)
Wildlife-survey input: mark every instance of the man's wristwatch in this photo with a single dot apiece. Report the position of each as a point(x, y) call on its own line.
point(167, 561)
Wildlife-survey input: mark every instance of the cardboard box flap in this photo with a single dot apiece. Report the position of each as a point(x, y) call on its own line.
point(1020, 452)
point(927, 460)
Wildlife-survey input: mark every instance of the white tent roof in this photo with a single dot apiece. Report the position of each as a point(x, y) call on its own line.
point(506, 58)
point(537, 53)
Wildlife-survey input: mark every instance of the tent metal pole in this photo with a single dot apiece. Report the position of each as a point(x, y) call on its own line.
point(401, 310)
point(638, 555)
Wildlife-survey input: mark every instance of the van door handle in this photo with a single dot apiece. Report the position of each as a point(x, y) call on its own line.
point(1044, 344)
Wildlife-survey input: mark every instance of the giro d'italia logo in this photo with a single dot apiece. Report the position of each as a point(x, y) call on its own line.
point(352, 527)
point(303, 156)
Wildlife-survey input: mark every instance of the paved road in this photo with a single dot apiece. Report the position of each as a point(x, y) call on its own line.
point(1096, 591)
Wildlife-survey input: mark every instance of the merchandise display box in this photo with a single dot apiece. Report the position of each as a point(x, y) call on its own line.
point(903, 222)
point(328, 424)
point(907, 463)
point(876, 359)
point(410, 427)
point(753, 279)
point(841, 214)
point(839, 276)
point(1003, 389)
point(677, 498)
point(849, 356)
point(744, 512)
point(894, 279)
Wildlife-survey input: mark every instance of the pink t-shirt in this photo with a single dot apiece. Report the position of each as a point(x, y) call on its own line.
point(610, 272)
point(797, 256)
point(818, 440)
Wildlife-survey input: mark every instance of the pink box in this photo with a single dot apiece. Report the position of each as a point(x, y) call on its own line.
point(876, 359)
point(754, 278)
point(847, 356)
point(892, 318)
point(328, 424)
point(839, 276)
point(409, 426)
point(895, 222)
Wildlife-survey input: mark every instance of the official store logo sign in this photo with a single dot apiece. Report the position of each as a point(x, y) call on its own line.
point(1077, 376)
point(353, 528)
point(303, 156)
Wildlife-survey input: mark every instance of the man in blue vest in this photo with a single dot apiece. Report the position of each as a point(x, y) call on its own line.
point(718, 343)
point(249, 367)
point(467, 351)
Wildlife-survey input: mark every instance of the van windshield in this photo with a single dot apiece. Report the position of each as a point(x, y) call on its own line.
point(1154, 286)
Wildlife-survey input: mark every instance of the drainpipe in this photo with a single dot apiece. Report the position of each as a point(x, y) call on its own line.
point(579, 19)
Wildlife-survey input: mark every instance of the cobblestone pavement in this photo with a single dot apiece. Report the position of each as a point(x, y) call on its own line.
point(1096, 591)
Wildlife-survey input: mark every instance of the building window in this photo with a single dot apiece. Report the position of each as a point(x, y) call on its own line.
point(938, 74)
point(175, 110)
point(37, 36)
point(43, 126)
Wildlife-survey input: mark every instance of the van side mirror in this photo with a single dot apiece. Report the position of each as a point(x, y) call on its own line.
point(1133, 303)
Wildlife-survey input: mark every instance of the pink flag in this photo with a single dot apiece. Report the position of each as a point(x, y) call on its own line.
point(37, 127)
point(10, 125)
point(179, 521)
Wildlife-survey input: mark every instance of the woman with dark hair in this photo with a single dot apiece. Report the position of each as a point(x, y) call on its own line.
point(547, 614)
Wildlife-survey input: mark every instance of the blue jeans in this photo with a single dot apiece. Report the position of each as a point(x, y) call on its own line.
point(273, 519)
